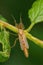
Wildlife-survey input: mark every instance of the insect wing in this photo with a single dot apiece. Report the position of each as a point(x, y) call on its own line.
point(20, 40)
point(25, 41)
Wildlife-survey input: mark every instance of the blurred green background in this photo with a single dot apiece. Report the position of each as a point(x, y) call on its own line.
point(15, 7)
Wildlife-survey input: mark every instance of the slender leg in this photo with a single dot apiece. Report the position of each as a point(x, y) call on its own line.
point(14, 20)
point(14, 43)
point(13, 34)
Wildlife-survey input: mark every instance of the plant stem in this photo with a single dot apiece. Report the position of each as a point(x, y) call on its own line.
point(28, 35)
point(30, 27)
point(34, 39)
point(9, 26)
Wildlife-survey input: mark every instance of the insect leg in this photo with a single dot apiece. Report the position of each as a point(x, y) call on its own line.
point(14, 43)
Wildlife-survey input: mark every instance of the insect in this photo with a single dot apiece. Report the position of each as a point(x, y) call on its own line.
point(23, 42)
point(22, 38)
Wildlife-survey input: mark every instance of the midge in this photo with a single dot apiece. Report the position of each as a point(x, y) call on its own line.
point(22, 38)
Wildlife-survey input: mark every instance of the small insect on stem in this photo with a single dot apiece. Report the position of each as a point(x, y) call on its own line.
point(22, 38)
point(23, 43)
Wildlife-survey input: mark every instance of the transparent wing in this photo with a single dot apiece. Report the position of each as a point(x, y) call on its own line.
point(24, 40)
point(20, 40)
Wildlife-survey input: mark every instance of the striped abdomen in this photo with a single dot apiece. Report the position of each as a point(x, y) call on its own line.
point(23, 42)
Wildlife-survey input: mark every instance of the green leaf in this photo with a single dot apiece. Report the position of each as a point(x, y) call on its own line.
point(2, 18)
point(4, 40)
point(36, 12)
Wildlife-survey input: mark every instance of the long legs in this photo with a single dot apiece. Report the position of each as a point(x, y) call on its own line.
point(14, 43)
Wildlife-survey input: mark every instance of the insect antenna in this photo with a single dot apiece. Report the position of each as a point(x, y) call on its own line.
point(14, 20)
point(21, 24)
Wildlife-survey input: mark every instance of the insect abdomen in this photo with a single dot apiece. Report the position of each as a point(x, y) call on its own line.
point(23, 42)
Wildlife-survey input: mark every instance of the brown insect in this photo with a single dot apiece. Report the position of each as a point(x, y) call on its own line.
point(22, 38)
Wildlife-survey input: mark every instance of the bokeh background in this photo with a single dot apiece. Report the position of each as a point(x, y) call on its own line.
point(15, 8)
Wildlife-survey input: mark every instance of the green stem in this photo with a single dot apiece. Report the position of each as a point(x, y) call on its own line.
point(34, 39)
point(30, 27)
point(28, 35)
point(9, 26)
